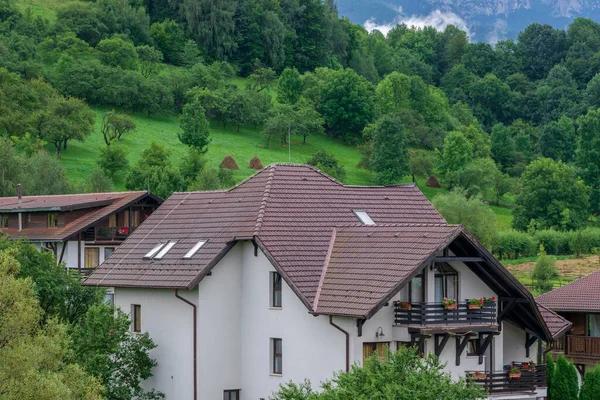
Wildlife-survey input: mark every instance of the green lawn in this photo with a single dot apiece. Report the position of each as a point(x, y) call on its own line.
point(43, 8)
point(81, 157)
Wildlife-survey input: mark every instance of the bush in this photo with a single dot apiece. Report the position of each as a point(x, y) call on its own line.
point(549, 373)
point(328, 164)
point(514, 244)
point(555, 242)
point(473, 214)
point(544, 271)
point(590, 390)
point(113, 160)
point(565, 385)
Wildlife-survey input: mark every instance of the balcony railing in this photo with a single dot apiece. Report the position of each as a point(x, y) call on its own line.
point(583, 346)
point(437, 314)
point(112, 234)
point(501, 382)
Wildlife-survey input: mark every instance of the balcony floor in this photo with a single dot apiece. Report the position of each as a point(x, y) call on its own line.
point(454, 328)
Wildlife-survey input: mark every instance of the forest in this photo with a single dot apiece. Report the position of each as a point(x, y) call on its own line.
point(514, 124)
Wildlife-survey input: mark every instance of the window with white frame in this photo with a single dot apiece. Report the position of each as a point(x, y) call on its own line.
point(275, 290)
point(276, 356)
point(136, 318)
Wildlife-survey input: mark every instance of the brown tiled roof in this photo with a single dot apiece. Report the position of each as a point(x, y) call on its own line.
point(304, 223)
point(367, 263)
point(580, 295)
point(290, 210)
point(109, 203)
point(557, 325)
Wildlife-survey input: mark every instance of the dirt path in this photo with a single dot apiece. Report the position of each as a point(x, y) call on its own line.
point(570, 269)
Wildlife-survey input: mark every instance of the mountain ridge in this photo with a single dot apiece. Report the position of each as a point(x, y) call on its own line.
point(485, 20)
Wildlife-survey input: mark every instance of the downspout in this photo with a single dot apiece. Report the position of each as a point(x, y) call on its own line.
point(195, 342)
point(19, 202)
point(347, 341)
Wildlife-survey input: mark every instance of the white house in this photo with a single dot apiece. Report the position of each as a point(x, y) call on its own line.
point(292, 275)
point(82, 230)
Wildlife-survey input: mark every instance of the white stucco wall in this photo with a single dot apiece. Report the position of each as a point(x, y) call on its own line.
point(514, 345)
point(312, 348)
point(169, 322)
point(236, 323)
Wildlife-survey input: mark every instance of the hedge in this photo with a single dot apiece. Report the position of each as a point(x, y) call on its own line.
point(514, 244)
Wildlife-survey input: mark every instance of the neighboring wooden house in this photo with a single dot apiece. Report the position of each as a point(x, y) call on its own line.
point(292, 275)
point(82, 230)
point(578, 302)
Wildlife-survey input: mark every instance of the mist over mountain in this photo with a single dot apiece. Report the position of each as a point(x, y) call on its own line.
point(484, 20)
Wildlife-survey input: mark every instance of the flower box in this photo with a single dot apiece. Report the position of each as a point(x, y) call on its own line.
point(473, 307)
point(450, 306)
point(514, 375)
point(479, 375)
point(403, 305)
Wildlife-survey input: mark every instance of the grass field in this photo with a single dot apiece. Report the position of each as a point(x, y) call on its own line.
point(43, 8)
point(81, 157)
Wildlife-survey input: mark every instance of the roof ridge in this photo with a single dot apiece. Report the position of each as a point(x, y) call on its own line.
point(324, 271)
point(265, 199)
point(76, 194)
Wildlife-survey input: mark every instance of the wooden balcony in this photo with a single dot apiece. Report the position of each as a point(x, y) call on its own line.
point(104, 234)
point(501, 382)
point(583, 346)
point(435, 314)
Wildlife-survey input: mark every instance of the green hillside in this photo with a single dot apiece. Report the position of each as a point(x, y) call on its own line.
point(81, 157)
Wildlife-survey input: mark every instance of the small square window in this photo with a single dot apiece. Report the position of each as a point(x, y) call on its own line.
point(52, 220)
point(231, 394)
point(277, 356)
point(136, 318)
point(275, 290)
point(3, 221)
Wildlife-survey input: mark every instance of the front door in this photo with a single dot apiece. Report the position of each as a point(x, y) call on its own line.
point(92, 257)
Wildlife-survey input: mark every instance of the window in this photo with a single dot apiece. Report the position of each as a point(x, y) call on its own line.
point(194, 249)
point(126, 218)
point(155, 250)
point(473, 347)
point(136, 318)
point(108, 251)
point(276, 356)
point(446, 282)
point(3, 221)
point(112, 221)
point(379, 348)
point(364, 217)
point(275, 290)
point(413, 292)
point(231, 394)
point(135, 218)
point(91, 257)
point(52, 220)
point(164, 250)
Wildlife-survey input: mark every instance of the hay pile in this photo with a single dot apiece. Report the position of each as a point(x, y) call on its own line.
point(229, 163)
point(433, 182)
point(255, 163)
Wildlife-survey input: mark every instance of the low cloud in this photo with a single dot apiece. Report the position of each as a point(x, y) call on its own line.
point(437, 19)
point(499, 32)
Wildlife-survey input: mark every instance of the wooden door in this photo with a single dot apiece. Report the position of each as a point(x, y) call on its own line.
point(92, 257)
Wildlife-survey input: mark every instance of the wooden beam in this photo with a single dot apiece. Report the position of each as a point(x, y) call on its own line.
point(458, 259)
point(529, 341)
point(359, 325)
point(439, 345)
point(483, 346)
point(460, 345)
point(62, 251)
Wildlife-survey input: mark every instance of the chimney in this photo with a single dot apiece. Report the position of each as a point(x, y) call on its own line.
point(19, 195)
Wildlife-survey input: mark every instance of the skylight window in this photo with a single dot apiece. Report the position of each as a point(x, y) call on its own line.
point(364, 217)
point(194, 249)
point(155, 250)
point(164, 250)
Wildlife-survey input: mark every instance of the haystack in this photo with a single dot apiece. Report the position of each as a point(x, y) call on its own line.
point(433, 182)
point(255, 163)
point(229, 163)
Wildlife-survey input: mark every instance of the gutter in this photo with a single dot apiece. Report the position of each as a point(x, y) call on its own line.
point(347, 341)
point(195, 328)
